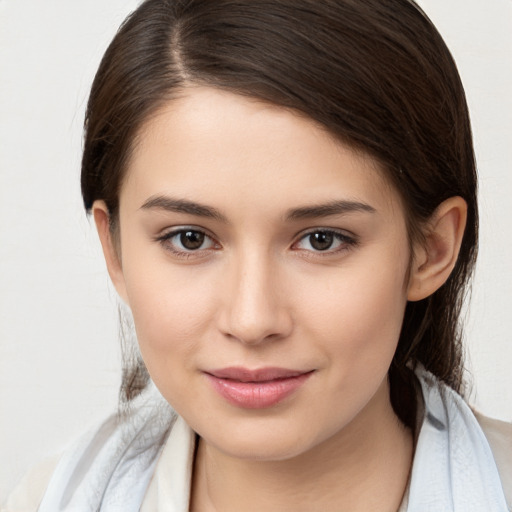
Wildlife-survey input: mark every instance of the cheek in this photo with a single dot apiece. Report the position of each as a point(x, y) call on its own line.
point(172, 308)
point(171, 317)
point(360, 313)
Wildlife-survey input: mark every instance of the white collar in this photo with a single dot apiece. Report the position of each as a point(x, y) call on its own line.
point(169, 489)
point(453, 469)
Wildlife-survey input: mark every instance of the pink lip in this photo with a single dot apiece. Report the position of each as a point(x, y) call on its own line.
point(256, 389)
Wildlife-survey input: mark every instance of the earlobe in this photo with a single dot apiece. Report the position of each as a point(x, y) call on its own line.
point(436, 258)
point(110, 251)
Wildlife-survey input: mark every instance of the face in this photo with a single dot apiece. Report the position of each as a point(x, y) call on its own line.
point(265, 265)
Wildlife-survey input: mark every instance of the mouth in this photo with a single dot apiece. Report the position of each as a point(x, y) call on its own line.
point(256, 389)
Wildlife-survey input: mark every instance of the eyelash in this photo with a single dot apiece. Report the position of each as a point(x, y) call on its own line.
point(346, 242)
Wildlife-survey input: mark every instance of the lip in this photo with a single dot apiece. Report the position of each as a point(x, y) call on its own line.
point(256, 389)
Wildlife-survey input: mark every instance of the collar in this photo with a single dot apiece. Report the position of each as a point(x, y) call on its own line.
point(453, 468)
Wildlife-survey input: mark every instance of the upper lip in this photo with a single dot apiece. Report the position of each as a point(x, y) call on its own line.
point(258, 375)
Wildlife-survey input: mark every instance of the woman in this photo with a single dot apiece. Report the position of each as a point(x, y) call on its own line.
point(285, 193)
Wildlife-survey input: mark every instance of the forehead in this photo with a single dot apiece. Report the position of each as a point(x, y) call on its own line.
point(217, 147)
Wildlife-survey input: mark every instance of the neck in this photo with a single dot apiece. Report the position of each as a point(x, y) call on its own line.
point(363, 467)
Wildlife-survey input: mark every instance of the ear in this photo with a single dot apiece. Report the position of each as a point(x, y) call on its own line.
point(111, 250)
point(435, 258)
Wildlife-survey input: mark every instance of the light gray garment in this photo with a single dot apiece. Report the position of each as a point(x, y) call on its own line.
point(453, 469)
point(110, 469)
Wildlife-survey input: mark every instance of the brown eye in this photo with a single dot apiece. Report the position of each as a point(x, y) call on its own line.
point(321, 240)
point(191, 240)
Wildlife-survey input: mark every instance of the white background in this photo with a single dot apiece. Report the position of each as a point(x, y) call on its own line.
point(59, 355)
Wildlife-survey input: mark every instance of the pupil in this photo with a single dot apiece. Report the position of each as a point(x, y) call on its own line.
point(321, 241)
point(192, 239)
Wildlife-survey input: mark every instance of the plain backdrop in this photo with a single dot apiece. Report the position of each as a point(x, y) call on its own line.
point(59, 353)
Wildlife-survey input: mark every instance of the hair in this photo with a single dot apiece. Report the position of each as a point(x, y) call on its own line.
point(375, 73)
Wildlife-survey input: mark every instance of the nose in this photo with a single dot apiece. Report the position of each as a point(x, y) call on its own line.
point(255, 307)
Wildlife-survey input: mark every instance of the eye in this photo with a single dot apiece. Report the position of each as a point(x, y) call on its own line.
point(325, 240)
point(190, 240)
point(184, 241)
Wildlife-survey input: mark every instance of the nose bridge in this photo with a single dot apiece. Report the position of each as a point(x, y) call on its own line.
point(255, 306)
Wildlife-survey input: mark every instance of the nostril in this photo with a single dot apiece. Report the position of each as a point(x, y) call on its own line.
point(254, 309)
point(253, 331)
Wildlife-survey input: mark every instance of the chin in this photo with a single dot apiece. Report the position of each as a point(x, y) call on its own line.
point(265, 449)
point(264, 439)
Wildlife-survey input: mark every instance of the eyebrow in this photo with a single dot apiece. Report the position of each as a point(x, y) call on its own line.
point(183, 206)
point(327, 209)
point(170, 204)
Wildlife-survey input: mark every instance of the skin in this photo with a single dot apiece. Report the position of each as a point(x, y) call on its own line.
point(258, 294)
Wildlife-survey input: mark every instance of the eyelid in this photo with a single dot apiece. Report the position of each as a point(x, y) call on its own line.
point(174, 230)
point(325, 229)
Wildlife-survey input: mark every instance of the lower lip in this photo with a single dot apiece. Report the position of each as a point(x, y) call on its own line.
point(257, 395)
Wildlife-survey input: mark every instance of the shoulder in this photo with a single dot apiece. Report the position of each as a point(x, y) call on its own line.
point(27, 495)
point(468, 460)
point(499, 436)
point(114, 458)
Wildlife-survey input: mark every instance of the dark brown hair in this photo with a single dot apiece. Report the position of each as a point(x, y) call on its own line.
point(374, 73)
